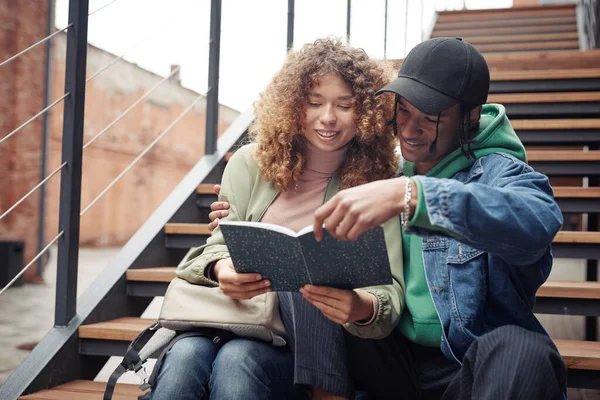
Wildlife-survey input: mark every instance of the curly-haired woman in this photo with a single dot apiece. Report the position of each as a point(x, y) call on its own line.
point(319, 129)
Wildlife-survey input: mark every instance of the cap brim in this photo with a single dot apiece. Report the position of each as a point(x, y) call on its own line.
point(426, 99)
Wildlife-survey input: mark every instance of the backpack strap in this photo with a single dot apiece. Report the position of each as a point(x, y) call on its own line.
point(131, 359)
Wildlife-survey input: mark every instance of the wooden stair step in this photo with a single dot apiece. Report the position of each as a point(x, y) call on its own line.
point(502, 31)
point(514, 12)
point(536, 60)
point(550, 74)
point(569, 289)
point(549, 97)
point(540, 60)
point(206, 188)
point(482, 24)
point(577, 237)
point(559, 191)
point(577, 354)
point(559, 289)
point(156, 274)
point(563, 155)
point(547, 124)
point(186, 229)
point(528, 46)
point(85, 390)
point(561, 237)
point(531, 37)
point(126, 328)
point(576, 192)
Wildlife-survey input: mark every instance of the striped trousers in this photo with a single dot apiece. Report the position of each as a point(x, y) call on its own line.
point(506, 363)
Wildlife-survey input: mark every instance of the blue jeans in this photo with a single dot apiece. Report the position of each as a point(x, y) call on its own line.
point(196, 368)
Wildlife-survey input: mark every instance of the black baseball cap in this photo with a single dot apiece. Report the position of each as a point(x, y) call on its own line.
point(439, 73)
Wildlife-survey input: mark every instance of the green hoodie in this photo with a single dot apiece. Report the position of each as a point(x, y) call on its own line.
point(419, 321)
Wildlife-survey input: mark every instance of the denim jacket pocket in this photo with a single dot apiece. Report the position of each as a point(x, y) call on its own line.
point(435, 250)
point(459, 253)
point(468, 281)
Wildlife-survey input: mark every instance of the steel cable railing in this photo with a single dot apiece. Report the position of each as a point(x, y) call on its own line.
point(34, 45)
point(32, 190)
point(142, 154)
point(131, 107)
point(46, 109)
point(13, 280)
point(33, 118)
point(87, 80)
point(15, 131)
point(59, 100)
point(117, 58)
point(73, 134)
point(102, 7)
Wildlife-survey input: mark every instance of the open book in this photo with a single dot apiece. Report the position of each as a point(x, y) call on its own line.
point(290, 260)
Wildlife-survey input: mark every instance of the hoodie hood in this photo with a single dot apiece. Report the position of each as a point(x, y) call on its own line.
point(495, 135)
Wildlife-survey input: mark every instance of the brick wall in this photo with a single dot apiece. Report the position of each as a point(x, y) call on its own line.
point(129, 203)
point(132, 200)
point(21, 96)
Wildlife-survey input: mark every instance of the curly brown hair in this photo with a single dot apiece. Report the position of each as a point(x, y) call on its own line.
point(280, 112)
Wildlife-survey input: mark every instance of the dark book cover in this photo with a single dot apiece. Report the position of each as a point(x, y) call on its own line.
point(291, 260)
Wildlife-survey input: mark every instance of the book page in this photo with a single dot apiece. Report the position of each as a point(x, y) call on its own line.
point(276, 256)
point(261, 225)
point(305, 230)
point(348, 264)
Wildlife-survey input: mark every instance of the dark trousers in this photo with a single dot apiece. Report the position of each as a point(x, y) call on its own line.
point(507, 363)
point(317, 344)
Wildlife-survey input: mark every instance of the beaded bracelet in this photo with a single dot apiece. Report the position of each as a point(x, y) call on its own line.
point(405, 216)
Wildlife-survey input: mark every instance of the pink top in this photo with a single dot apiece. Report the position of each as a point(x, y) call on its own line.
point(295, 207)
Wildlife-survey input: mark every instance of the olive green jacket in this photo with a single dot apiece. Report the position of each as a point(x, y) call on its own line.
point(249, 197)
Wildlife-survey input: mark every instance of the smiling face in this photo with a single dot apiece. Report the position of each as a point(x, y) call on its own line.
point(420, 142)
point(330, 118)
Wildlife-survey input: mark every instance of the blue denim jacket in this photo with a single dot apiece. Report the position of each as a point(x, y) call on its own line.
point(490, 249)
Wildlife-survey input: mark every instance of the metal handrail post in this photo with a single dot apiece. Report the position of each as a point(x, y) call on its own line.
point(385, 30)
point(348, 20)
point(46, 124)
point(290, 24)
point(72, 151)
point(406, 28)
point(212, 96)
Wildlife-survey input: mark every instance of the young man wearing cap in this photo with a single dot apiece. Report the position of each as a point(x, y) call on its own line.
point(478, 223)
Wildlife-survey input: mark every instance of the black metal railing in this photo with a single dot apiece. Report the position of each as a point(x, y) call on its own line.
point(73, 145)
point(591, 19)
